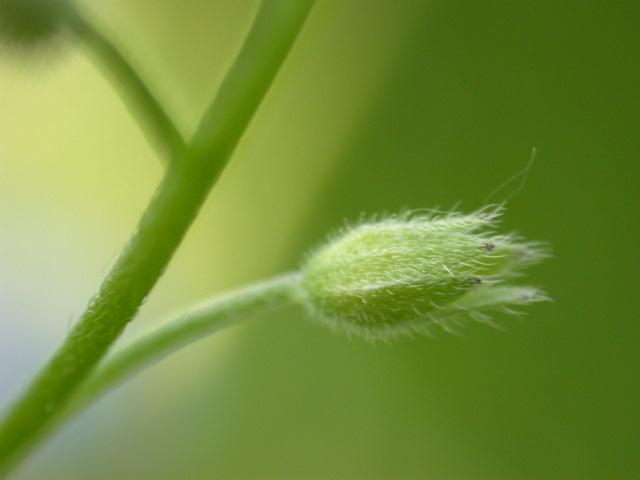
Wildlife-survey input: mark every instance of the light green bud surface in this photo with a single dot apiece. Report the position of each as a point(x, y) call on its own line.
point(407, 273)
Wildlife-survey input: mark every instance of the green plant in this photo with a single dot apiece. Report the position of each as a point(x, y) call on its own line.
point(379, 279)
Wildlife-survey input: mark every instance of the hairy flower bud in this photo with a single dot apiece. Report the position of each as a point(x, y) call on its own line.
point(407, 273)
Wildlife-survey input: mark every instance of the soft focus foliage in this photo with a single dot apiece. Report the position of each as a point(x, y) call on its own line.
point(29, 22)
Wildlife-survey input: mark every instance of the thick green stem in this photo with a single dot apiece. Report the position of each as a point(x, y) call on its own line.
point(143, 260)
point(226, 118)
point(160, 231)
point(217, 314)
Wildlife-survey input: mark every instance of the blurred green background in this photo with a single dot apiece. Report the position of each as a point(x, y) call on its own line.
point(383, 104)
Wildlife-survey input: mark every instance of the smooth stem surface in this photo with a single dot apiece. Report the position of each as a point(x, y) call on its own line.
point(160, 131)
point(227, 116)
point(159, 233)
point(217, 314)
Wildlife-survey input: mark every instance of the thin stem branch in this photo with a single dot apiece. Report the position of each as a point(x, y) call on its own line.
point(154, 121)
point(159, 233)
point(212, 316)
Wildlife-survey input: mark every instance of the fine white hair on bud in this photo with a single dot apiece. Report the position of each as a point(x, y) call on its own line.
point(407, 273)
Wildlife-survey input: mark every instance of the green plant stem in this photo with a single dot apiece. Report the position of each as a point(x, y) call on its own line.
point(159, 233)
point(215, 315)
point(244, 86)
point(154, 122)
point(140, 265)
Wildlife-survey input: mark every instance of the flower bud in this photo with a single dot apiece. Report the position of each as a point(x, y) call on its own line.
point(28, 22)
point(407, 273)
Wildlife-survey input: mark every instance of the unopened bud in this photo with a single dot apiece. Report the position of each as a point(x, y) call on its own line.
point(405, 274)
point(29, 22)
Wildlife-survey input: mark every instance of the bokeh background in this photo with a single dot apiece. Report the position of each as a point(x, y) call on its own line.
point(382, 105)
